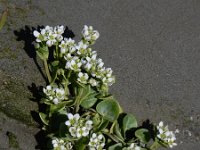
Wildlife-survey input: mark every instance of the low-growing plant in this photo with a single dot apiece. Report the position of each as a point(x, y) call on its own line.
point(80, 112)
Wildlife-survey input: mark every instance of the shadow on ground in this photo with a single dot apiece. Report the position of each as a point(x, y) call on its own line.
point(26, 34)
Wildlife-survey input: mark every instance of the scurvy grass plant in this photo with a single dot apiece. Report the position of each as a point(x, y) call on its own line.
point(80, 113)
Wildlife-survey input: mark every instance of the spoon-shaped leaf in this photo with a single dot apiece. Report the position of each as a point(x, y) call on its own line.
point(143, 135)
point(117, 146)
point(109, 109)
point(43, 118)
point(129, 121)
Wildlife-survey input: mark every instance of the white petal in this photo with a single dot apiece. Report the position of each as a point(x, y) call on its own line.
point(100, 136)
point(67, 123)
point(161, 124)
point(36, 33)
point(76, 116)
point(55, 100)
point(70, 116)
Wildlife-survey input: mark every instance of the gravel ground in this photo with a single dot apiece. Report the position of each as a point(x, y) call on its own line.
point(153, 47)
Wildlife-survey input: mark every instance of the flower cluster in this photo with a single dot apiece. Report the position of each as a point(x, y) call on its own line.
point(165, 135)
point(97, 142)
point(89, 34)
point(49, 35)
point(78, 127)
point(61, 144)
point(54, 94)
point(80, 58)
point(133, 146)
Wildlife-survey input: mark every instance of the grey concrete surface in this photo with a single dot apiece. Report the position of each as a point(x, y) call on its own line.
point(153, 47)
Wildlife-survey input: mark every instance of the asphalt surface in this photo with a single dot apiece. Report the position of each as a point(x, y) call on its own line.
point(153, 46)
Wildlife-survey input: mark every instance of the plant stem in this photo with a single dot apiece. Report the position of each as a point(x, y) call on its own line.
point(112, 127)
point(154, 146)
point(77, 108)
point(57, 53)
point(69, 74)
point(47, 71)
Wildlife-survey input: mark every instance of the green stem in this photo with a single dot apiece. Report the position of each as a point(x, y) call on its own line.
point(77, 108)
point(47, 71)
point(57, 53)
point(155, 146)
point(69, 74)
point(112, 127)
point(77, 103)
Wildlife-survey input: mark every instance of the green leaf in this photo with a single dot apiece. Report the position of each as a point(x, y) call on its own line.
point(44, 117)
point(103, 125)
point(109, 109)
point(96, 120)
point(143, 135)
point(113, 137)
point(3, 19)
point(117, 131)
point(60, 105)
point(63, 130)
point(89, 102)
point(104, 97)
point(86, 96)
point(129, 121)
point(43, 52)
point(55, 63)
point(162, 143)
point(56, 119)
point(81, 144)
point(117, 146)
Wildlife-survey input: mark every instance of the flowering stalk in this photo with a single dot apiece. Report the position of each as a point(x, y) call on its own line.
point(47, 71)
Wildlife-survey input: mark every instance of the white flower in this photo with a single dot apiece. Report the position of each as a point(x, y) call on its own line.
point(61, 144)
point(63, 47)
point(59, 30)
point(51, 39)
point(54, 93)
point(55, 101)
point(47, 90)
point(60, 93)
point(81, 48)
point(67, 45)
point(82, 131)
point(78, 127)
point(74, 64)
point(73, 119)
point(93, 82)
point(68, 57)
point(88, 124)
point(94, 55)
point(165, 135)
point(83, 77)
point(39, 37)
point(55, 143)
point(100, 63)
point(88, 66)
point(96, 142)
point(133, 146)
point(73, 131)
point(90, 34)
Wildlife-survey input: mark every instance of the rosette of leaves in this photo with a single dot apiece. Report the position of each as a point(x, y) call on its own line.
point(78, 84)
